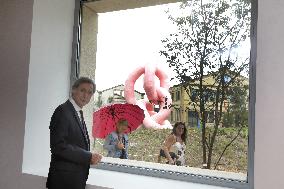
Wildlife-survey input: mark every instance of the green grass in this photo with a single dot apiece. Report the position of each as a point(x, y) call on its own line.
point(146, 143)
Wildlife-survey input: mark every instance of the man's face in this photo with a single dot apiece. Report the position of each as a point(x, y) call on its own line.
point(83, 94)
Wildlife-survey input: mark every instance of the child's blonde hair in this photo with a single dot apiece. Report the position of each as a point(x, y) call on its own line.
point(122, 122)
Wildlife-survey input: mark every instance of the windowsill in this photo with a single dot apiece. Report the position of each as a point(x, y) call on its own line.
point(119, 180)
point(101, 177)
point(114, 179)
point(182, 169)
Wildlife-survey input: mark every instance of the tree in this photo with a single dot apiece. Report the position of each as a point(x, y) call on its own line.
point(204, 45)
point(237, 112)
point(99, 102)
point(110, 99)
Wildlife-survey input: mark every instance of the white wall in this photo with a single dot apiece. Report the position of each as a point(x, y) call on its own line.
point(32, 45)
point(15, 33)
point(49, 75)
point(269, 148)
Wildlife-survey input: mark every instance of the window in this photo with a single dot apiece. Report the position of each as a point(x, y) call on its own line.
point(177, 115)
point(117, 92)
point(177, 95)
point(209, 95)
point(193, 119)
point(194, 94)
point(198, 114)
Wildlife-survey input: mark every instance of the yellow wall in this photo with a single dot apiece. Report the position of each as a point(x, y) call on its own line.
point(183, 103)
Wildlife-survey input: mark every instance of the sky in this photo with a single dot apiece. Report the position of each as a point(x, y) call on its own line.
point(129, 38)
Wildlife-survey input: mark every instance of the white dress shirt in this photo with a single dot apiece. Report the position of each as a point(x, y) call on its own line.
point(77, 108)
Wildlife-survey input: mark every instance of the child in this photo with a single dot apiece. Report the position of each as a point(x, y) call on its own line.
point(116, 143)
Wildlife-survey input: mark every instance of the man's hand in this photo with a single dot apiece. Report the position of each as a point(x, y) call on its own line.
point(96, 158)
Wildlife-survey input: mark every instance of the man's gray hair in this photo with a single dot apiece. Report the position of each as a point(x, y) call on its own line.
point(82, 80)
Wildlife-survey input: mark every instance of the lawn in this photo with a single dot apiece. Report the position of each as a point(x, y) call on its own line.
point(144, 145)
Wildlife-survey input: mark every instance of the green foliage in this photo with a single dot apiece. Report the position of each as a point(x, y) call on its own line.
point(237, 113)
point(110, 99)
point(99, 102)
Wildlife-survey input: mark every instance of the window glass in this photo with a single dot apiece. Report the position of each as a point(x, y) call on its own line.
point(205, 47)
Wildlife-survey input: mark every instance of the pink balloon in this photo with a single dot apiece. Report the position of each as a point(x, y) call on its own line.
point(129, 84)
point(151, 122)
point(157, 95)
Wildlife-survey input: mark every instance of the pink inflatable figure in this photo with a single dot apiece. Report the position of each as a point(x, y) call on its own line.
point(157, 95)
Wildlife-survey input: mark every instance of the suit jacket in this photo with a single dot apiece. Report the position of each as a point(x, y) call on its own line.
point(70, 156)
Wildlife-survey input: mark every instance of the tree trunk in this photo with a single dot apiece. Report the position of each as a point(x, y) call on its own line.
point(202, 116)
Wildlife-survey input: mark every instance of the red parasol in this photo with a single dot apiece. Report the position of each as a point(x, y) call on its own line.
point(105, 119)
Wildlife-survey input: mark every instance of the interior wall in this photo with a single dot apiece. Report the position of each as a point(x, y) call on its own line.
point(269, 129)
point(35, 56)
point(49, 75)
point(15, 35)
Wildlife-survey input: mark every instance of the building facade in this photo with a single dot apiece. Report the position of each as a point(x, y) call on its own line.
point(186, 101)
point(113, 95)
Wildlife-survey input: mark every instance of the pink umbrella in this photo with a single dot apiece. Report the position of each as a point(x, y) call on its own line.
point(105, 119)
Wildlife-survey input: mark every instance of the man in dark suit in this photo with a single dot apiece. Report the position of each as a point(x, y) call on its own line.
point(69, 140)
